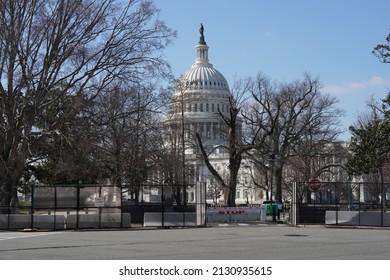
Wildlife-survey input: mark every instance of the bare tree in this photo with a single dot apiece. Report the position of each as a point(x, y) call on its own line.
point(178, 137)
point(382, 51)
point(258, 172)
point(123, 118)
point(286, 114)
point(76, 47)
point(236, 145)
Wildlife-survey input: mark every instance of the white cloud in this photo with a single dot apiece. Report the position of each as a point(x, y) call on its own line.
point(378, 81)
point(350, 87)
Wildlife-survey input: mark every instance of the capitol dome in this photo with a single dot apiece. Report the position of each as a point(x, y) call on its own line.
point(201, 98)
point(202, 75)
point(205, 77)
point(199, 111)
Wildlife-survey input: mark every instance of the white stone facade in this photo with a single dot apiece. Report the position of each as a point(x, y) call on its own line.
point(202, 95)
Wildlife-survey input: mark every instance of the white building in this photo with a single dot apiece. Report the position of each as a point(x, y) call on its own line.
point(202, 95)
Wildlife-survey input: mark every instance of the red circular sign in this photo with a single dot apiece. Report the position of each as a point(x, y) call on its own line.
point(315, 184)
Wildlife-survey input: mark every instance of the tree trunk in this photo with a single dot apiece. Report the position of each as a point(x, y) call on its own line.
point(231, 199)
point(278, 179)
point(9, 202)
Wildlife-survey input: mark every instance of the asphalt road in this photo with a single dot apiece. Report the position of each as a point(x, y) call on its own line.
point(217, 242)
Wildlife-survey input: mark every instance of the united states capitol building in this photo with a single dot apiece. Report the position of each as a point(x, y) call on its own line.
point(199, 104)
point(200, 101)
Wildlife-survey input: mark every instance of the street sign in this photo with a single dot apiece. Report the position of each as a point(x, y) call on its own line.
point(315, 184)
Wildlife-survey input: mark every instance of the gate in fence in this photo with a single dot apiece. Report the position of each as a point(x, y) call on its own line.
point(104, 206)
point(340, 203)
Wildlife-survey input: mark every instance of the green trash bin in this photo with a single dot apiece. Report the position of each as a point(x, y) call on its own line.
point(275, 209)
point(268, 207)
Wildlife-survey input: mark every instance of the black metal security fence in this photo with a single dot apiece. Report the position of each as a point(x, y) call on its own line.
point(341, 203)
point(66, 207)
point(158, 205)
point(103, 206)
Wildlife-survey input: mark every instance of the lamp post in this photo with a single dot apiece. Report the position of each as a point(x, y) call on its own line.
point(271, 160)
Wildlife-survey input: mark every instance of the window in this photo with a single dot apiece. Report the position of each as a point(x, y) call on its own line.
point(201, 107)
point(207, 107)
point(196, 107)
point(212, 107)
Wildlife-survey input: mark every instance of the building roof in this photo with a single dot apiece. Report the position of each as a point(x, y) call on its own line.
point(202, 75)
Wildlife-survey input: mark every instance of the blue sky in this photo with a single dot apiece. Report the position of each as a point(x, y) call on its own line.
point(283, 39)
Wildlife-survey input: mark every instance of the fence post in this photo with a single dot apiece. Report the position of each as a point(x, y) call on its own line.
point(100, 207)
point(337, 208)
point(77, 205)
point(32, 206)
point(184, 204)
point(200, 204)
point(55, 206)
point(162, 205)
point(293, 206)
point(9, 208)
point(121, 197)
point(360, 212)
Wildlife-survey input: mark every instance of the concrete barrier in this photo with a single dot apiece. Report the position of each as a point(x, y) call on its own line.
point(171, 219)
point(20, 221)
point(3, 221)
point(84, 221)
point(351, 218)
point(107, 220)
point(233, 214)
point(49, 221)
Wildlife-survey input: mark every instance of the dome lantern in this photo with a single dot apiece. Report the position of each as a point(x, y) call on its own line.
point(202, 75)
point(202, 51)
